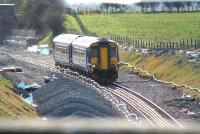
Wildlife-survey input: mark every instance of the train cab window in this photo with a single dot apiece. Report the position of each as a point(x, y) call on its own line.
point(94, 52)
point(113, 51)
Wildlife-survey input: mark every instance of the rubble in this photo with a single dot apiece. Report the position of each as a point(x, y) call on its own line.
point(42, 49)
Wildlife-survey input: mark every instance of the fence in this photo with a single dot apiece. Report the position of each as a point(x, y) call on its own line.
point(190, 44)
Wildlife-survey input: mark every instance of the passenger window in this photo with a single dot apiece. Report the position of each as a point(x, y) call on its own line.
point(94, 52)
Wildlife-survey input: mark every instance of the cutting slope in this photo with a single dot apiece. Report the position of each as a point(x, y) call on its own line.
point(11, 106)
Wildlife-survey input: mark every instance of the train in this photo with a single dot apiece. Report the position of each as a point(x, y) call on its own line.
point(94, 57)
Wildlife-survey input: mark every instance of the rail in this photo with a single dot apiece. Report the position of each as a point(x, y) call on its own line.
point(144, 101)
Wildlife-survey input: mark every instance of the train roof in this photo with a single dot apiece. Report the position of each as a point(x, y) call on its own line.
point(65, 38)
point(80, 41)
point(87, 41)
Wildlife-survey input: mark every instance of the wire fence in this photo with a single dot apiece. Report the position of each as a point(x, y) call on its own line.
point(187, 44)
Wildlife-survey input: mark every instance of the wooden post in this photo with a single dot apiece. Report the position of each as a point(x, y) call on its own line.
point(195, 44)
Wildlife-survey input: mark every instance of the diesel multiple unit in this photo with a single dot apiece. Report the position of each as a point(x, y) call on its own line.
point(95, 57)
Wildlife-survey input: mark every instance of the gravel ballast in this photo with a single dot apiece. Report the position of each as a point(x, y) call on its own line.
point(169, 99)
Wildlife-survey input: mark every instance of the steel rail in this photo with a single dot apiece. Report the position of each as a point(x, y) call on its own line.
point(163, 115)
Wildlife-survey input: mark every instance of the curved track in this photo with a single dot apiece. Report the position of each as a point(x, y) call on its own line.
point(149, 110)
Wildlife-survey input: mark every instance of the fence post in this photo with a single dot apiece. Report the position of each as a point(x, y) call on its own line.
point(195, 45)
point(187, 44)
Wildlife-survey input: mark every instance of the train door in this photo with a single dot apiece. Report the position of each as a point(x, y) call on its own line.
point(104, 58)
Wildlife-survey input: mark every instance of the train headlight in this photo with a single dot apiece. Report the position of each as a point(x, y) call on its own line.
point(113, 60)
point(94, 61)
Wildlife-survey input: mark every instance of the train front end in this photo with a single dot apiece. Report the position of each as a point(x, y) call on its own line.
point(104, 61)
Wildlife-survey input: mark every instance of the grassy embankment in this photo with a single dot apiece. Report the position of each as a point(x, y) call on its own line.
point(11, 106)
point(69, 23)
point(163, 26)
point(174, 68)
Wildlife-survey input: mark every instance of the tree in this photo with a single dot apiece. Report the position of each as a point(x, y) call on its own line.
point(178, 5)
point(40, 14)
point(153, 5)
point(168, 5)
point(53, 17)
point(188, 4)
point(141, 5)
point(104, 6)
point(197, 5)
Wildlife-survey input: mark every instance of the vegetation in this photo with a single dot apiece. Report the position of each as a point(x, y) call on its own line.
point(71, 24)
point(11, 106)
point(162, 26)
point(145, 7)
point(42, 14)
point(167, 67)
point(47, 39)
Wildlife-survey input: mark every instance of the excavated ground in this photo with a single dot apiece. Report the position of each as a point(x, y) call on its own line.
point(181, 108)
point(63, 97)
point(171, 100)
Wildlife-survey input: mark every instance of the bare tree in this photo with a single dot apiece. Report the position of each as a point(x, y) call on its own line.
point(178, 5)
point(168, 5)
point(197, 5)
point(188, 4)
point(141, 5)
point(154, 5)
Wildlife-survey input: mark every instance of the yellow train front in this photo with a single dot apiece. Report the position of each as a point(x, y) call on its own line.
point(104, 60)
point(95, 57)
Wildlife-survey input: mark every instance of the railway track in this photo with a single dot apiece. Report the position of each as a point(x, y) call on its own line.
point(117, 94)
point(149, 110)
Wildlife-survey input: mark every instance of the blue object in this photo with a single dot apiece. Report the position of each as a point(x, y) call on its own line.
point(44, 51)
point(29, 100)
point(21, 86)
point(32, 87)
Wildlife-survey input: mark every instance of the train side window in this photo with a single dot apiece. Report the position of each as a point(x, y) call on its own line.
point(94, 52)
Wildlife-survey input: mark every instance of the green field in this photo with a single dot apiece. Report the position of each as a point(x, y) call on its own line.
point(71, 24)
point(160, 26)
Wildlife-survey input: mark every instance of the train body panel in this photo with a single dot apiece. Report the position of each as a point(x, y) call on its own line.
point(96, 57)
point(61, 48)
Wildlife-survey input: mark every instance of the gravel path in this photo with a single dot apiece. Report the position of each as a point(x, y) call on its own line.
point(164, 96)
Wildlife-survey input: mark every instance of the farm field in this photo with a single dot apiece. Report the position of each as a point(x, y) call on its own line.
point(159, 26)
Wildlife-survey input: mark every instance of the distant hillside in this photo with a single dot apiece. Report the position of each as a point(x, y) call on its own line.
point(11, 106)
point(160, 26)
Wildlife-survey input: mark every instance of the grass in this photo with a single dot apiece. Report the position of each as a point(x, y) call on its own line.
point(47, 39)
point(11, 106)
point(174, 68)
point(162, 26)
point(71, 24)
